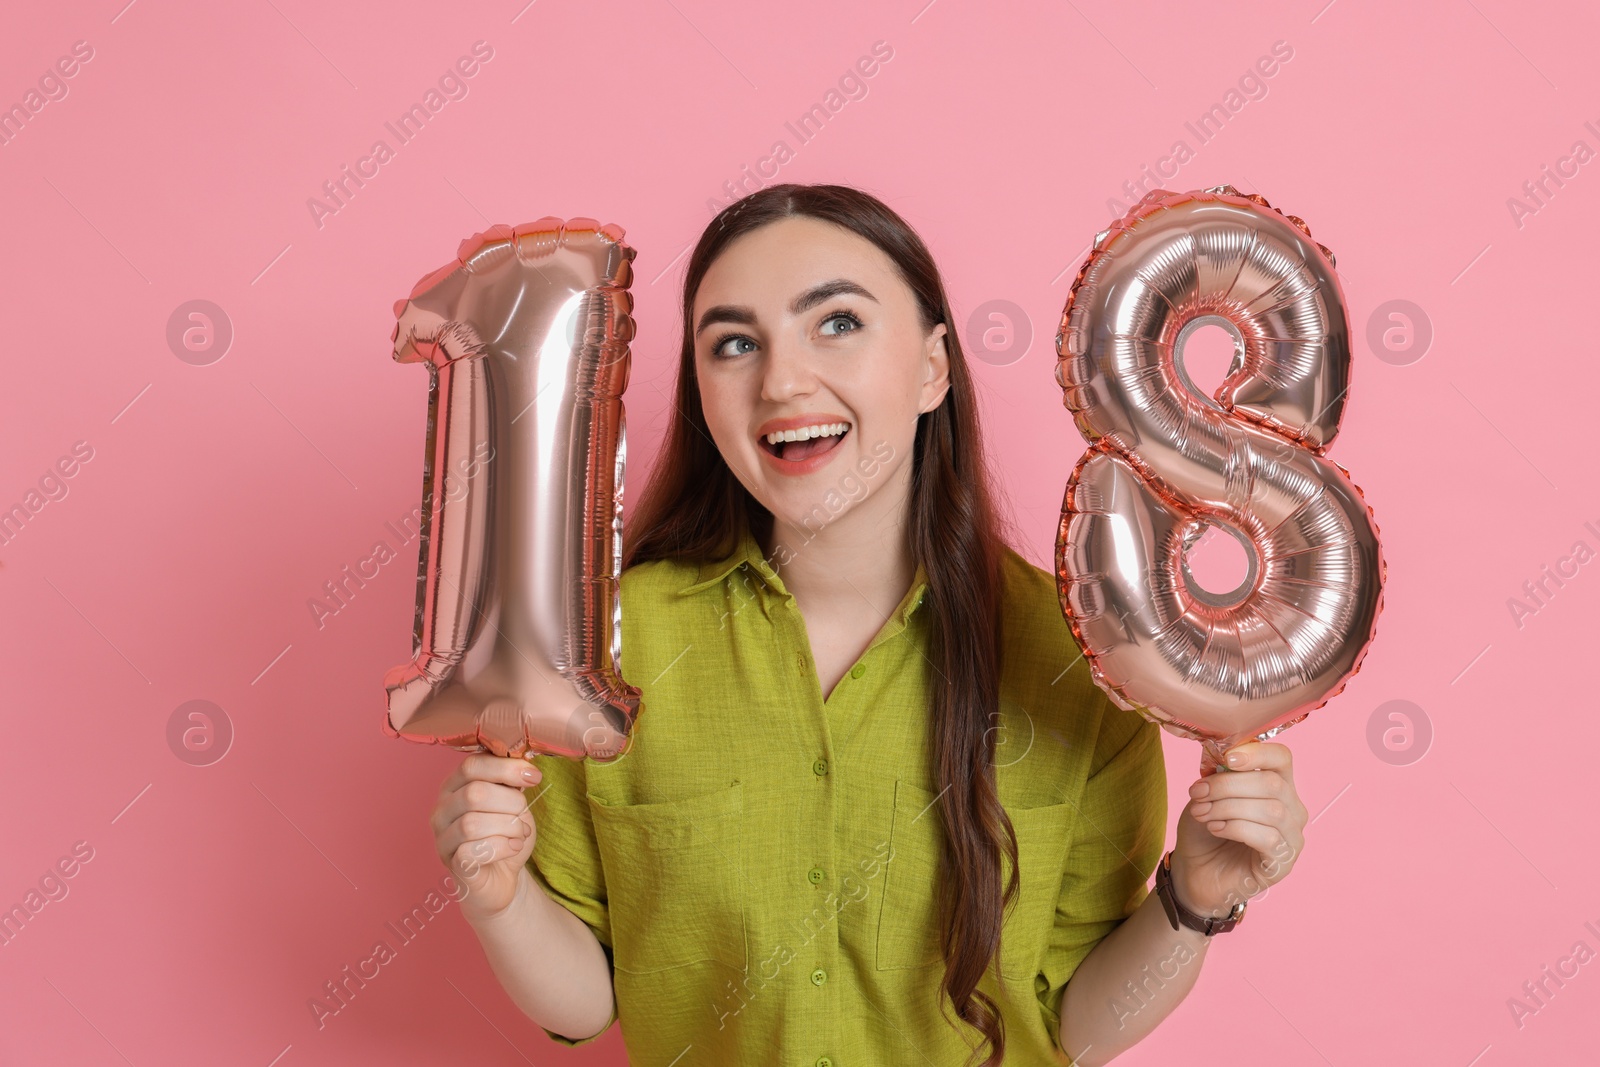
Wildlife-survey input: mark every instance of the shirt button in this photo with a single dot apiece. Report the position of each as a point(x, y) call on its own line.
point(823, 1061)
point(858, 670)
point(820, 767)
point(819, 976)
point(815, 874)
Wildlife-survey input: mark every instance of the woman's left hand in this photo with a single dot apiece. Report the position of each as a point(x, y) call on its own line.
point(1241, 831)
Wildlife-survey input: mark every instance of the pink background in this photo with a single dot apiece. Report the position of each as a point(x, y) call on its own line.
point(221, 497)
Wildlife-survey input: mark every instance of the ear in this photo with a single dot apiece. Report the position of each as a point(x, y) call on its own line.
point(936, 376)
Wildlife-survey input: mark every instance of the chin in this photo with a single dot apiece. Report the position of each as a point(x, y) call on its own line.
point(809, 514)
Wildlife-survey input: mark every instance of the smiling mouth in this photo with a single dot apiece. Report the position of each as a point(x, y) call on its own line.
point(805, 443)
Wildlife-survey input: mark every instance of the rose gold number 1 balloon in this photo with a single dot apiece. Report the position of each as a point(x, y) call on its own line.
point(1166, 461)
point(518, 626)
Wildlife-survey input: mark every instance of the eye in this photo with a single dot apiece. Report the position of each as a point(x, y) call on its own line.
point(852, 323)
point(717, 346)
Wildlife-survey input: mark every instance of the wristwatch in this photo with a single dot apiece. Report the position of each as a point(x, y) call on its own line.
point(1177, 913)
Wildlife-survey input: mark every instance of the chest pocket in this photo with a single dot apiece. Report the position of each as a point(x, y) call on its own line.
point(908, 922)
point(909, 932)
point(674, 880)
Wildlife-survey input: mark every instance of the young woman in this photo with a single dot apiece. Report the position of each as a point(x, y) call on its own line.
point(874, 810)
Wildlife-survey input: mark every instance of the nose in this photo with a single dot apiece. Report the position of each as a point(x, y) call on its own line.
point(788, 372)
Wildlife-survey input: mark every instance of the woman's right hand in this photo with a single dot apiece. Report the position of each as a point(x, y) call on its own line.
point(484, 831)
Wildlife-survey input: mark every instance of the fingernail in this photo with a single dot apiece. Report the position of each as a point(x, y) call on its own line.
point(1201, 809)
point(1234, 759)
point(531, 773)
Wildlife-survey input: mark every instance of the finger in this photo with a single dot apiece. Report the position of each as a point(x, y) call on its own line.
point(479, 826)
point(482, 767)
point(1245, 784)
point(474, 821)
point(1278, 847)
point(482, 849)
point(477, 854)
point(479, 796)
point(1262, 756)
point(1267, 811)
point(1267, 841)
point(1265, 783)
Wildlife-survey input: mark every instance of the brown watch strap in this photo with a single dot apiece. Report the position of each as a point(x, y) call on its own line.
point(1177, 913)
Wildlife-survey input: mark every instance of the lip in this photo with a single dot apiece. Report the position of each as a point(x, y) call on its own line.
point(794, 422)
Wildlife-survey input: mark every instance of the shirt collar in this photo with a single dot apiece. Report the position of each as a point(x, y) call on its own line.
point(747, 553)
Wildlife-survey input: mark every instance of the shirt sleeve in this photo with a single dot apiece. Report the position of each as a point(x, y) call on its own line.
point(1117, 837)
point(566, 860)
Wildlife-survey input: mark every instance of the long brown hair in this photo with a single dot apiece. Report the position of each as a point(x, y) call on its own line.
point(693, 507)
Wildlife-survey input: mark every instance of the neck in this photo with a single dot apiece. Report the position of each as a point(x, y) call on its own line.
point(865, 554)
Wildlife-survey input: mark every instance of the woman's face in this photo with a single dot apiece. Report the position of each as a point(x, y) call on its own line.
point(805, 330)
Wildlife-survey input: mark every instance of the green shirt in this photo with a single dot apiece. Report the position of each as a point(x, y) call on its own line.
point(760, 864)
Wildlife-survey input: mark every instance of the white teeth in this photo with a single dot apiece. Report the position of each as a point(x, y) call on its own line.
point(805, 433)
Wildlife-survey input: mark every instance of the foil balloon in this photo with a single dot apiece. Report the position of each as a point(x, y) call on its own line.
point(517, 636)
point(1166, 462)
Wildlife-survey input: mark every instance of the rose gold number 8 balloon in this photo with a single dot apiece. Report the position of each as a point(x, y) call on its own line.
point(1165, 462)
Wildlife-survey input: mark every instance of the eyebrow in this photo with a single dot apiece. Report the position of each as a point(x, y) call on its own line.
point(804, 302)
